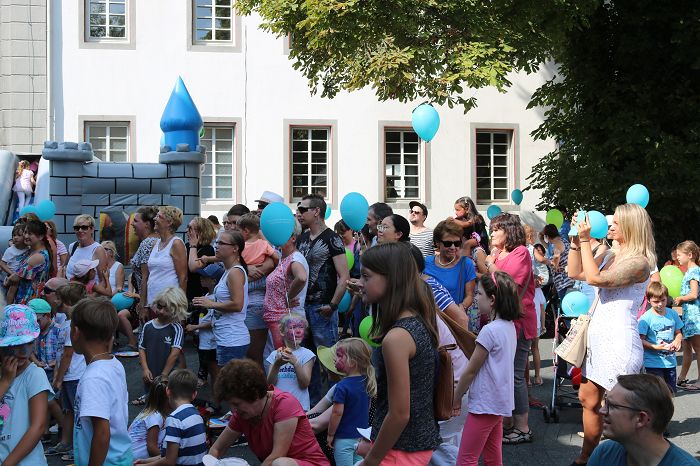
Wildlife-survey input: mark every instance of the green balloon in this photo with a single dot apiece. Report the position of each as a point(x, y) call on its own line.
point(672, 277)
point(365, 327)
point(555, 217)
point(350, 256)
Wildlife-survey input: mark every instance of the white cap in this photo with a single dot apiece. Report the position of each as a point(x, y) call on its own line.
point(270, 197)
point(83, 267)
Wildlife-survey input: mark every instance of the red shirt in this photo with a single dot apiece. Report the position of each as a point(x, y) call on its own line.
point(518, 265)
point(304, 447)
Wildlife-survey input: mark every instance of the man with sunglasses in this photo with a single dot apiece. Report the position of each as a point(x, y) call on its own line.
point(421, 236)
point(636, 412)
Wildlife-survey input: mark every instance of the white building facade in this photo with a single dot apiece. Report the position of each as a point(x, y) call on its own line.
point(111, 66)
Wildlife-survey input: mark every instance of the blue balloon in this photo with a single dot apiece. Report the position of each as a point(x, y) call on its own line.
point(277, 223)
point(46, 210)
point(599, 224)
point(353, 209)
point(122, 302)
point(575, 304)
point(517, 196)
point(493, 211)
point(344, 304)
point(573, 231)
point(425, 121)
point(28, 209)
point(638, 194)
point(328, 212)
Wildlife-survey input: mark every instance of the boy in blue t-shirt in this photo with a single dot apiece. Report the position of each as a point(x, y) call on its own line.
point(660, 331)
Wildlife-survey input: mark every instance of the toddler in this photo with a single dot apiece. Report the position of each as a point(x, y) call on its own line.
point(24, 184)
point(351, 399)
point(291, 365)
point(24, 389)
point(13, 254)
point(148, 429)
point(85, 271)
point(206, 351)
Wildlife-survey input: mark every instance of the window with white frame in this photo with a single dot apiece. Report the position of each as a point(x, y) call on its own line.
point(110, 140)
point(310, 155)
point(106, 19)
point(217, 178)
point(212, 21)
point(493, 164)
point(402, 154)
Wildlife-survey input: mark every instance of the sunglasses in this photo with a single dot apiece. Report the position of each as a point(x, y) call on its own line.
point(447, 244)
point(415, 212)
point(48, 290)
point(302, 210)
point(81, 227)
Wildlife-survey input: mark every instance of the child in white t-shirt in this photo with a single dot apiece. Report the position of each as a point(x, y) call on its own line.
point(148, 429)
point(204, 329)
point(540, 304)
point(13, 254)
point(290, 366)
point(101, 402)
point(489, 375)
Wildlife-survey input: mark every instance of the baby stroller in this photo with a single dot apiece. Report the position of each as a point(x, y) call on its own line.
point(566, 377)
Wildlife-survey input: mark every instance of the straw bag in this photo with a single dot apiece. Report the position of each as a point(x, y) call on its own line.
point(573, 348)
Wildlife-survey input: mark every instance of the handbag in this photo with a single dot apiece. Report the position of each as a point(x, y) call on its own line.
point(573, 348)
point(444, 383)
point(465, 339)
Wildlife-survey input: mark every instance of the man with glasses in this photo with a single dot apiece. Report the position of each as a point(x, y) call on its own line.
point(375, 214)
point(636, 412)
point(421, 236)
point(234, 213)
point(328, 272)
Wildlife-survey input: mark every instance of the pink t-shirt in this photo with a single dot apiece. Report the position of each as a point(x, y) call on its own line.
point(277, 286)
point(491, 391)
point(304, 447)
point(518, 264)
point(256, 252)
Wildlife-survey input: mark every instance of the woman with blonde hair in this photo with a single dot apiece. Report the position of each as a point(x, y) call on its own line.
point(115, 268)
point(614, 347)
point(167, 264)
point(85, 248)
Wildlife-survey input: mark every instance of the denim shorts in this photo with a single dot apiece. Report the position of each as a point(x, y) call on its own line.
point(254, 318)
point(67, 397)
point(667, 374)
point(225, 354)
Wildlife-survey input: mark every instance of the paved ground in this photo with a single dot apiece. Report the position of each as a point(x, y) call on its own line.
point(554, 444)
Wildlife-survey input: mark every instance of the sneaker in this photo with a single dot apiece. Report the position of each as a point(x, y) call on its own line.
point(68, 457)
point(137, 330)
point(59, 449)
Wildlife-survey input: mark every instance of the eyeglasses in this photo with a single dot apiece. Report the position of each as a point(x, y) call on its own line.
point(415, 212)
point(607, 404)
point(381, 227)
point(48, 290)
point(447, 244)
point(219, 243)
point(81, 227)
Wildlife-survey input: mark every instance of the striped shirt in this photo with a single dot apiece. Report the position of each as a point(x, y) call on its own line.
point(442, 297)
point(185, 427)
point(424, 242)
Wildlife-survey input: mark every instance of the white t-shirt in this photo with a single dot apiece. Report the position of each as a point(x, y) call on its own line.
point(491, 391)
point(206, 335)
point(287, 377)
point(12, 256)
point(77, 362)
point(102, 393)
point(138, 431)
point(540, 303)
point(81, 253)
point(229, 327)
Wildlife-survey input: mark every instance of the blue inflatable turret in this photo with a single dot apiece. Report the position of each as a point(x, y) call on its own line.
point(181, 120)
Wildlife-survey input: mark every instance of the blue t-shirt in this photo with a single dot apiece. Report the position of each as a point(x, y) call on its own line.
point(14, 413)
point(450, 278)
point(659, 328)
point(612, 453)
point(352, 393)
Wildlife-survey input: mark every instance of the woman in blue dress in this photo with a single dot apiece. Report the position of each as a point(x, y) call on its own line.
point(687, 253)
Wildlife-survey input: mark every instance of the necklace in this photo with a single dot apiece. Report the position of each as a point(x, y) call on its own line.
point(445, 265)
point(99, 354)
point(258, 418)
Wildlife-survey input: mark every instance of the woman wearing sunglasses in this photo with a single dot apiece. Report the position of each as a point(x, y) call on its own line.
point(85, 248)
point(454, 272)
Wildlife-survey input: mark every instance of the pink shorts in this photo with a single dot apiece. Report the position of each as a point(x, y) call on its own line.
point(407, 458)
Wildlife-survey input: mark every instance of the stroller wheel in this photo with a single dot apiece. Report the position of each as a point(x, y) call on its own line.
point(555, 415)
point(546, 414)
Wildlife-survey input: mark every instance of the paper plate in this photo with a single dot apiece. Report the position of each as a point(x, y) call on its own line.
point(127, 354)
point(209, 460)
point(217, 423)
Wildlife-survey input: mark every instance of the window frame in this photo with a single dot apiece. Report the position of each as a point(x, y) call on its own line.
point(126, 42)
point(194, 45)
point(130, 144)
point(420, 164)
point(234, 166)
point(309, 163)
point(209, 204)
point(513, 159)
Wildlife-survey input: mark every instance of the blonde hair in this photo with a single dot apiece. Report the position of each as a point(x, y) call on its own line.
point(690, 248)
point(110, 246)
point(21, 166)
point(173, 215)
point(529, 233)
point(289, 317)
point(84, 218)
point(205, 230)
point(175, 301)
point(635, 226)
point(359, 352)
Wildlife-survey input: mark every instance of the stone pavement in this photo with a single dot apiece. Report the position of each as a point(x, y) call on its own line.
point(554, 443)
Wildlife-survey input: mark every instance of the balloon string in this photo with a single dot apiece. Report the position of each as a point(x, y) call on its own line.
point(289, 311)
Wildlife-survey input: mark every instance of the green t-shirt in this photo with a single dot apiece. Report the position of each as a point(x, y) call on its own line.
point(612, 453)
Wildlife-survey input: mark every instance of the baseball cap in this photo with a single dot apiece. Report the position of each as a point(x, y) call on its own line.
point(82, 267)
point(270, 197)
point(18, 325)
point(413, 204)
point(215, 271)
point(39, 306)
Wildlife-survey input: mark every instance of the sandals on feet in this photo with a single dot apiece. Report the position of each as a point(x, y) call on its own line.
point(517, 436)
point(58, 449)
point(686, 385)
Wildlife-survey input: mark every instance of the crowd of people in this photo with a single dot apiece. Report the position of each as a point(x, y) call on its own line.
point(282, 339)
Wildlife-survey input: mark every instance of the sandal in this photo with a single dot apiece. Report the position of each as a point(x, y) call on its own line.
point(535, 403)
point(517, 436)
point(686, 385)
point(58, 449)
point(140, 401)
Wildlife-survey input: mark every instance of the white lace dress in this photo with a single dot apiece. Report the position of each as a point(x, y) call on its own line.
point(614, 346)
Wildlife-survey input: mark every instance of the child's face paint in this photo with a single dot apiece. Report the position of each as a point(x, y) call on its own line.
point(340, 359)
point(295, 332)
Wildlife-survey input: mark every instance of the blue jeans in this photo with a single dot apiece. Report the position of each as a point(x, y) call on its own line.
point(344, 451)
point(225, 354)
point(323, 331)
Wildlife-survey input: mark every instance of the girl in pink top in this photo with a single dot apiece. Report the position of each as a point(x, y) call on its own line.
point(24, 184)
point(489, 375)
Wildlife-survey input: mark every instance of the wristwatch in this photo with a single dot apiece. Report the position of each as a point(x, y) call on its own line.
point(333, 306)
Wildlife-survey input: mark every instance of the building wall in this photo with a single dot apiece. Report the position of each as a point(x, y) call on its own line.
point(22, 75)
point(254, 84)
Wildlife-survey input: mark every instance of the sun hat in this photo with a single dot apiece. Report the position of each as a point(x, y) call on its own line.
point(18, 325)
point(270, 197)
point(327, 357)
point(39, 306)
point(83, 267)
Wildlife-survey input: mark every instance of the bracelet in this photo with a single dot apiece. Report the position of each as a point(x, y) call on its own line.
point(333, 306)
point(571, 248)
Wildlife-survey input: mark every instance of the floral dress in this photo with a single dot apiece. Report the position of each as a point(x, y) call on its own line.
point(473, 311)
point(32, 278)
point(691, 310)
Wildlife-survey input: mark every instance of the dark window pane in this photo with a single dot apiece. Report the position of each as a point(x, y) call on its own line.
point(96, 31)
point(393, 136)
point(319, 157)
point(393, 147)
point(318, 181)
point(482, 172)
point(500, 149)
point(223, 12)
point(412, 170)
point(500, 138)
point(411, 159)
point(483, 138)
point(411, 193)
point(318, 146)
point(116, 20)
point(318, 169)
point(500, 161)
point(500, 194)
point(482, 183)
point(299, 134)
point(117, 32)
point(222, 35)
point(411, 148)
point(98, 20)
point(299, 181)
point(500, 182)
point(300, 157)
point(410, 136)
point(483, 149)
point(299, 192)
point(223, 23)
point(223, 2)
point(500, 171)
point(393, 159)
point(483, 195)
point(300, 146)
point(483, 161)
point(300, 169)
point(319, 134)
